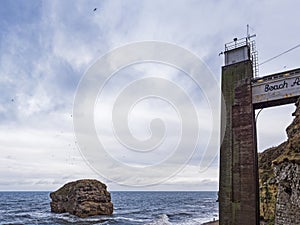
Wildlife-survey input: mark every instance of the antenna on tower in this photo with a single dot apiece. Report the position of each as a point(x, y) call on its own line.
point(249, 36)
point(253, 51)
point(242, 49)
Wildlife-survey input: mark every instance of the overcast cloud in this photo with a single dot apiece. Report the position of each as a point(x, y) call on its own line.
point(47, 46)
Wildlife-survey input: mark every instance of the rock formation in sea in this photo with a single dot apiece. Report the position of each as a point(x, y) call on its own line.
point(279, 178)
point(82, 198)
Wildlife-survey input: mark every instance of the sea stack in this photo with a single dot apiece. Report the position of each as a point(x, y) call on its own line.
point(82, 198)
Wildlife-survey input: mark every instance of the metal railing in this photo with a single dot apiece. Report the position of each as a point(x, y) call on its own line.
point(237, 43)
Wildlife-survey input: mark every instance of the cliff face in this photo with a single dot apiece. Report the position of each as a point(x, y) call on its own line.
point(288, 195)
point(279, 178)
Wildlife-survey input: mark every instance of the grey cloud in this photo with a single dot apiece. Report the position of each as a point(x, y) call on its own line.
point(47, 46)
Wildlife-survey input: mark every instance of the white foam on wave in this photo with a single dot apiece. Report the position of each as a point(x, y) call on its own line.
point(162, 220)
point(128, 219)
point(194, 221)
point(73, 219)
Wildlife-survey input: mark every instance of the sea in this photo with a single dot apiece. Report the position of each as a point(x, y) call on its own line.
point(130, 208)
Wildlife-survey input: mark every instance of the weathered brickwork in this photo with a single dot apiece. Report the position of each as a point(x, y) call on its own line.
point(238, 191)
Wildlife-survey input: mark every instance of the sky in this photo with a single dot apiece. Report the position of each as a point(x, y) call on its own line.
point(47, 50)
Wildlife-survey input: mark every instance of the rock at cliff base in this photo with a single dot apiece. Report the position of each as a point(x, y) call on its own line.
point(82, 198)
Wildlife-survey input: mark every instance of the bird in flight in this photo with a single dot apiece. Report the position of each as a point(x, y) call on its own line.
point(95, 9)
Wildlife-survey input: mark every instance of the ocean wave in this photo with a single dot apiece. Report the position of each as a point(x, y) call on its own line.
point(74, 219)
point(161, 220)
point(132, 208)
point(179, 214)
point(164, 219)
point(129, 219)
point(132, 211)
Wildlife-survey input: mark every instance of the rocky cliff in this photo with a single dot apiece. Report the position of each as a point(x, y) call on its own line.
point(287, 207)
point(279, 178)
point(82, 198)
